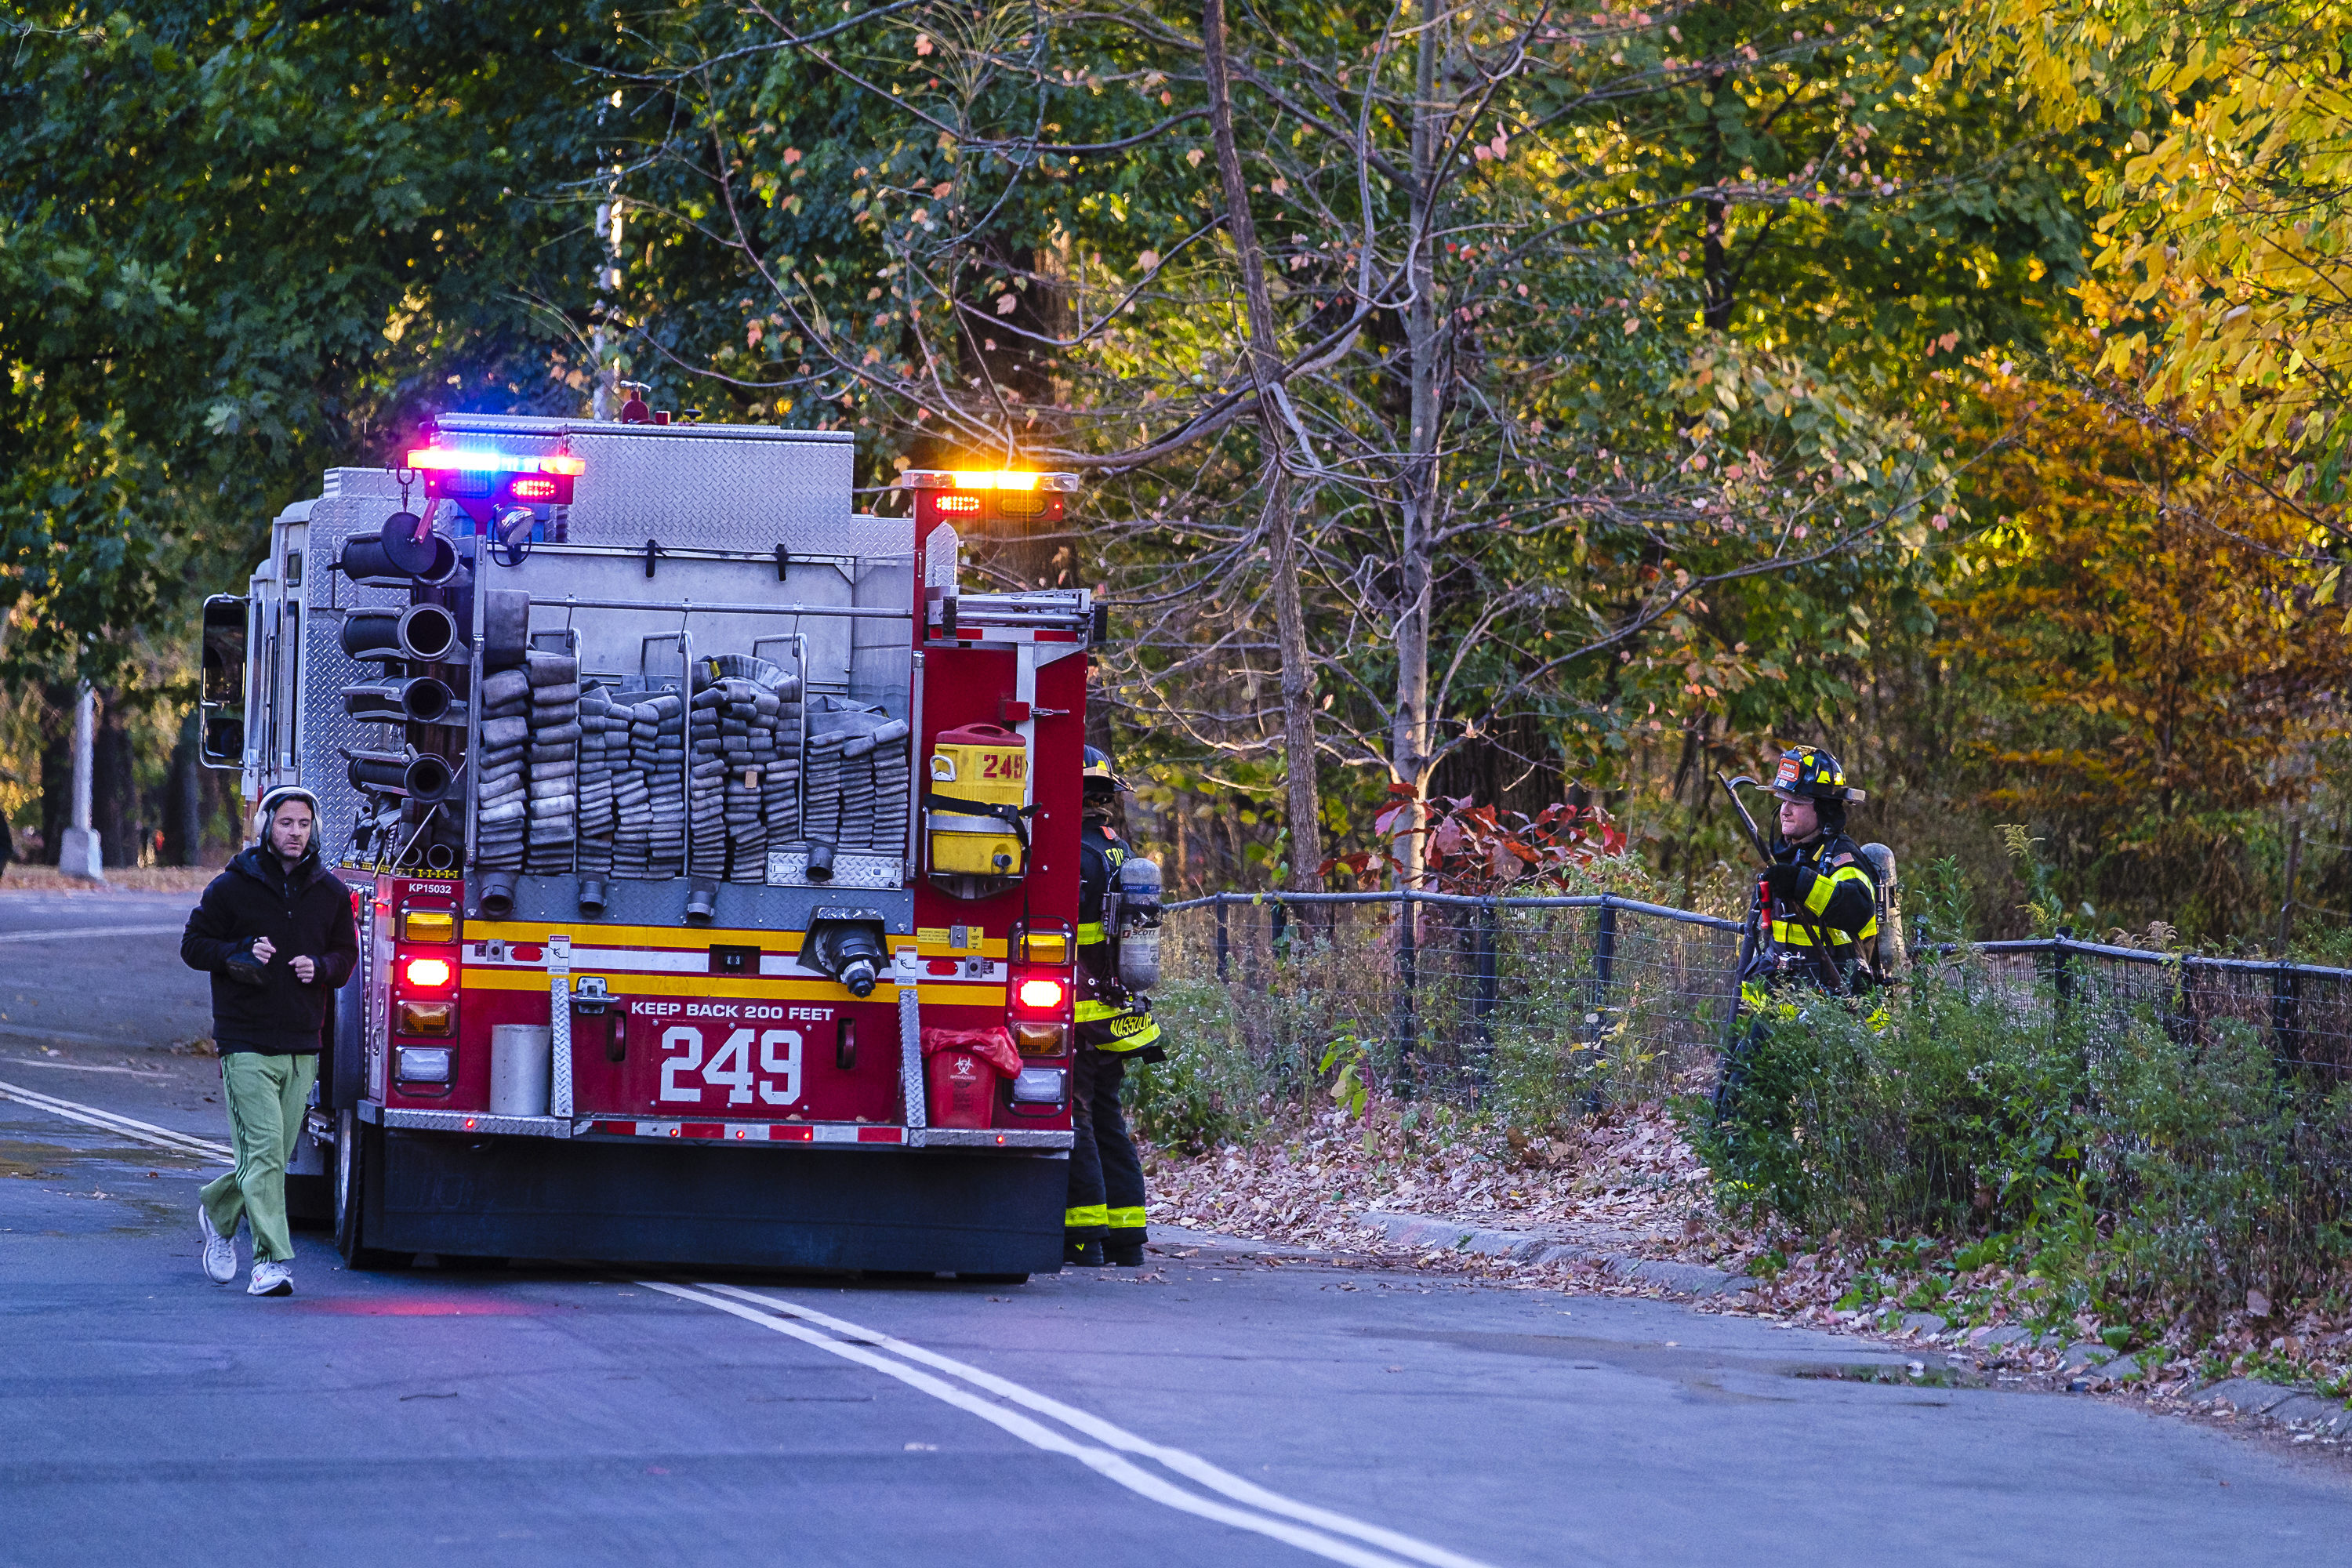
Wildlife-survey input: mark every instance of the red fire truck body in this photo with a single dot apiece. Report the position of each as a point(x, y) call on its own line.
point(715, 858)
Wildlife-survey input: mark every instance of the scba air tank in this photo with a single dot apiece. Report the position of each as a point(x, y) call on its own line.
point(1139, 919)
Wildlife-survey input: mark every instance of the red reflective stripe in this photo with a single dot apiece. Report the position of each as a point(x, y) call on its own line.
point(881, 1134)
point(618, 1129)
point(791, 1134)
point(703, 1128)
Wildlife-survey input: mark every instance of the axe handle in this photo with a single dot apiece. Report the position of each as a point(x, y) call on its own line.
point(1755, 834)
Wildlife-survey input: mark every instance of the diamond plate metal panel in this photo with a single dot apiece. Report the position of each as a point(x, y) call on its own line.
point(352, 501)
point(469, 1122)
point(789, 868)
point(997, 1138)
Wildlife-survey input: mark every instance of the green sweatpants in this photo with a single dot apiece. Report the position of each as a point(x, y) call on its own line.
point(266, 1098)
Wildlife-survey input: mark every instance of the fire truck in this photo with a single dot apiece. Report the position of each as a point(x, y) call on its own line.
point(714, 855)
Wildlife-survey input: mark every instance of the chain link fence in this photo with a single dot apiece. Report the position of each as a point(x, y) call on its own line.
point(1529, 1004)
point(1543, 1001)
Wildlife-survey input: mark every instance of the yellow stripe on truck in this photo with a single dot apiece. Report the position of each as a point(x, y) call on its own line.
point(625, 983)
point(666, 938)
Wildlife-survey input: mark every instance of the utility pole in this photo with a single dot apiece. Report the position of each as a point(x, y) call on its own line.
point(79, 856)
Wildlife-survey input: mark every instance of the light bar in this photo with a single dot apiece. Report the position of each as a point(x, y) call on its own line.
point(442, 459)
point(980, 480)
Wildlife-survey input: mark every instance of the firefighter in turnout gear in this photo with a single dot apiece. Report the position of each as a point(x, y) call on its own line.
point(1822, 925)
point(1105, 1219)
point(1814, 919)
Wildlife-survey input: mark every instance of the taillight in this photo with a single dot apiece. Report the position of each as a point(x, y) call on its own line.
point(1041, 994)
point(1038, 1039)
point(428, 925)
point(422, 1064)
point(427, 973)
point(425, 1018)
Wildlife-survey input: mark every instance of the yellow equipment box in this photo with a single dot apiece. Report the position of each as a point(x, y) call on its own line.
point(988, 765)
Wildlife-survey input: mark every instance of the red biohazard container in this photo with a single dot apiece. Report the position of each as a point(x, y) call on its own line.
point(963, 1089)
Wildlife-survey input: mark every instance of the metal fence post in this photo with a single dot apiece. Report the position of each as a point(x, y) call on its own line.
point(1604, 952)
point(1604, 970)
point(1408, 1023)
point(2285, 994)
point(1482, 995)
point(1278, 927)
point(1224, 945)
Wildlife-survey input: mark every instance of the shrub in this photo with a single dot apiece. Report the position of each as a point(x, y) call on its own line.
point(2128, 1163)
point(1209, 1091)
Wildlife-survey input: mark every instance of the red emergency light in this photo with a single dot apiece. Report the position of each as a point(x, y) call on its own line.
point(482, 478)
point(442, 460)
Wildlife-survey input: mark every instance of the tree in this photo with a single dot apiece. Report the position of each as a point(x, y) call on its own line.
point(2230, 212)
point(2160, 650)
point(241, 243)
point(1442, 357)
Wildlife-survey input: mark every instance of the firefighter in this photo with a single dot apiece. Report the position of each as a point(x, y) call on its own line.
point(1822, 926)
point(1814, 917)
point(1105, 1218)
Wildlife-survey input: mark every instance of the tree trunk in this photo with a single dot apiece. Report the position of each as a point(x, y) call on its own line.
point(1305, 803)
point(56, 766)
point(184, 797)
point(1409, 738)
point(1715, 227)
point(115, 785)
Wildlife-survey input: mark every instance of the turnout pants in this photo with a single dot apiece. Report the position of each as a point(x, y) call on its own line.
point(266, 1097)
point(1105, 1173)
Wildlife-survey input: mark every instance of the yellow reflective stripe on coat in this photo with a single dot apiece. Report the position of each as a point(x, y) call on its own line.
point(1085, 1216)
point(1131, 1032)
point(1091, 935)
point(1097, 1012)
point(1788, 934)
point(1126, 1219)
point(1825, 888)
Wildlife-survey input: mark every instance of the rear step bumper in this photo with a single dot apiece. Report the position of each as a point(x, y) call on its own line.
point(638, 1201)
point(863, 1134)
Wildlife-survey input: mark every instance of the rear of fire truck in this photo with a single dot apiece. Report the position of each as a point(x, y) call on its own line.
point(714, 857)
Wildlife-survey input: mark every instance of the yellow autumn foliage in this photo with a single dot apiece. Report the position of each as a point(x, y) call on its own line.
point(2232, 206)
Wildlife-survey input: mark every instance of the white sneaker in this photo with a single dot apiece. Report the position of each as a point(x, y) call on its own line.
point(271, 1278)
point(220, 1251)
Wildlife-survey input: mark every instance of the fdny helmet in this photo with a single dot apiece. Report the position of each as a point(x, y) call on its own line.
point(1809, 773)
point(1097, 777)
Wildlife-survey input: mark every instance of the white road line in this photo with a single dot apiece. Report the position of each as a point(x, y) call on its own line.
point(33, 1032)
point(865, 1342)
point(91, 930)
point(1037, 1435)
point(78, 1066)
point(1188, 1465)
point(123, 1126)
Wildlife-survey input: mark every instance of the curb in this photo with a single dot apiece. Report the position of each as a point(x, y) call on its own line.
point(2300, 1408)
point(1429, 1233)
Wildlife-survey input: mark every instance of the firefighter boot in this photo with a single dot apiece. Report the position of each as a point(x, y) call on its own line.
point(1082, 1254)
point(1126, 1252)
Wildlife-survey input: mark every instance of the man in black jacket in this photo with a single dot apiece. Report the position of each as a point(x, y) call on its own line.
point(275, 932)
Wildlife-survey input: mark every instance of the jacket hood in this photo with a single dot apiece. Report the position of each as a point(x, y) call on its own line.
point(259, 862)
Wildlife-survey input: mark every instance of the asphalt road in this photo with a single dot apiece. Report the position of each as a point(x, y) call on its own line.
point(1208, 1409)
